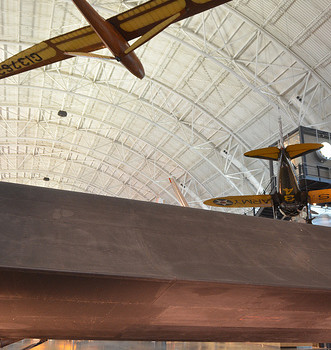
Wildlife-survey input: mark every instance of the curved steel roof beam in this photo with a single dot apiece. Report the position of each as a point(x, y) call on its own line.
point(125, 131)
point(157, 83)
point(254, 88)
point(185, 143)
point(99, 189)
point(203, 110)
point(284, 47)
point(258, 28)
point(195, 104)
point(101, 154)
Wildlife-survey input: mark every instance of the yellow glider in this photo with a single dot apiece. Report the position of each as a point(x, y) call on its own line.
point(142, 22)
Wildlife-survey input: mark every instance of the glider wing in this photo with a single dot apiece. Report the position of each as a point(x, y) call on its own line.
point(241, 201)
point(50, 51)
point(143, 18)
point(146, 20)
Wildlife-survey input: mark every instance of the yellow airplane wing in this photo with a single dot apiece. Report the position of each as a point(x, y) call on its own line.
point(301, 149)
point(50, 51)
point(142, 18)
point(241, 201)
point(145, 20)
point(319, 196)
point(264, 153)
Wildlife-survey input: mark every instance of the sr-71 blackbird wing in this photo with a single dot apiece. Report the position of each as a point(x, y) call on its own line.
point(144, 21)
point(241, 201)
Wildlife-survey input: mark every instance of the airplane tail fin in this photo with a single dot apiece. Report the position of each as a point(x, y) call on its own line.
point(293, 151)
point(301, 149)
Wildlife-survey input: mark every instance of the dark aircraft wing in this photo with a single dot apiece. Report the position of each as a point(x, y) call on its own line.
point(147, 19)
point(241, 201)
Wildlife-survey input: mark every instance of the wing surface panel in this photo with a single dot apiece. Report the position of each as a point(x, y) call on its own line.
point(264, 153)
point(156, 14)
point(50, 51)
point(301, 149)
point(241, 201)
point(320, 196)
point(139, 20)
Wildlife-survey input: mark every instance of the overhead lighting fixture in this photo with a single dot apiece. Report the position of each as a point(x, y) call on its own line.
point(325, 152)
point(62, 113)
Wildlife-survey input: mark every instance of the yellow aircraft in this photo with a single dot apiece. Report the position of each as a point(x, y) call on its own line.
point(142, 22)
point(288, 198)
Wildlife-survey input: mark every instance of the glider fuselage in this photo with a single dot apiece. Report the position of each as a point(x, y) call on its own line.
point(112, 39)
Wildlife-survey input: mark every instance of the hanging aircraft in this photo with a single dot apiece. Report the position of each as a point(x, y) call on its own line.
point(143, 21)
point(288, 198)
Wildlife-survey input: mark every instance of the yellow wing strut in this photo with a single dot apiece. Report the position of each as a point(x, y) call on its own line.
point(89, 55)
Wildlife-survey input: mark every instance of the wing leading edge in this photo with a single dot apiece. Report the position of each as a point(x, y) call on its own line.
point(51, 51)
point(134, 23)
point(142, 18)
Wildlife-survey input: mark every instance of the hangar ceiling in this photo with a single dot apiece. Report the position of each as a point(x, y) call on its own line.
point(215, 87)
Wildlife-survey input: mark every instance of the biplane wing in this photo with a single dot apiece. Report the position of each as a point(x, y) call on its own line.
point(319, 196)
point(293, 151)
point(301, 149)
point(143, 21)
point(264, 200)
point(271, 153)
